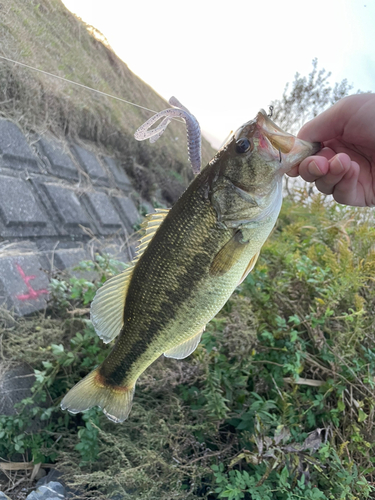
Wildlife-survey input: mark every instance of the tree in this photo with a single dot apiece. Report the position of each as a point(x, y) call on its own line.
point(307, 97)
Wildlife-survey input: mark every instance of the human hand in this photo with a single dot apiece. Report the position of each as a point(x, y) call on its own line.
point(345, 167)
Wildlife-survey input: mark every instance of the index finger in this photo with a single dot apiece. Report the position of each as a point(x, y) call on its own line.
point(331, 123)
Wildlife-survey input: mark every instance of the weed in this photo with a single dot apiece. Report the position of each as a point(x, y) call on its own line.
point(276, 403)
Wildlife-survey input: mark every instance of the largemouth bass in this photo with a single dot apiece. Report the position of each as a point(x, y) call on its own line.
point(189, 262)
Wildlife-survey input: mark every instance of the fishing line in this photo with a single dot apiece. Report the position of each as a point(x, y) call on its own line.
point(78, 84)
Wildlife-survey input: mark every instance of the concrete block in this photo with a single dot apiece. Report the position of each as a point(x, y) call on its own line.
point(46, 262)
point(69, 258)
point(67, 208)
point(45, 495)
point(15, 385)
point(58, 160)
point(147, 207)
point(21, 214)
point(120, 177)
point(3, 496)
point(15, 151)
point(129, 212)
point(50, 491)
point(58, 260)
point(55, 475)
point(103, 212)
point(91, 165)
point(49, 244)
point(123, 253)
point(23, 283)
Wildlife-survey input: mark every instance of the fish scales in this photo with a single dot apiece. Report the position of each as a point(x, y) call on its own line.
point(200, 251)
point(172, 279)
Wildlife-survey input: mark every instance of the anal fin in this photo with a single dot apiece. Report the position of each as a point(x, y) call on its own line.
point(184, 350)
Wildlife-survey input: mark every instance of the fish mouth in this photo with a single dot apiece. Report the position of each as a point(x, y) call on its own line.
point(289, 149)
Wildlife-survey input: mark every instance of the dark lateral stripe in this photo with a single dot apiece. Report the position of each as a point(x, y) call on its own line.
point(116, 367)
point(174, 265)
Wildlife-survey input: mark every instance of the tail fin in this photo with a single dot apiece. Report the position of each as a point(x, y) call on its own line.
point(115, 401)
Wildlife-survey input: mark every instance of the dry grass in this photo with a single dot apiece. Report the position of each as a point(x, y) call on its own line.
point(45, 35)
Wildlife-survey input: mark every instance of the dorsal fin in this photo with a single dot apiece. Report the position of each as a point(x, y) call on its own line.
point(107, 308)
point(150, 226)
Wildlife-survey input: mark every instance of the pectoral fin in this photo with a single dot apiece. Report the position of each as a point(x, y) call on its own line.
point(250, 267)
point(184, 350)
point(229, 255)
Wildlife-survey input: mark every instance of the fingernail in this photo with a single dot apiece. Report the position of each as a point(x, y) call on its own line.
point(340, 166)
point(314, 169)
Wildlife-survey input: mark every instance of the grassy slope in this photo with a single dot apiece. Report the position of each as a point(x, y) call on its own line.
point(289, 358)
point(45, 35)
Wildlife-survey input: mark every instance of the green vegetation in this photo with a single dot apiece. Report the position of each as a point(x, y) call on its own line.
point(278, 400)
point(276, 403)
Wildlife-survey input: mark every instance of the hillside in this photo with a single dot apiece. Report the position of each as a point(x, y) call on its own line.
point(276, 402)
point(47, 36)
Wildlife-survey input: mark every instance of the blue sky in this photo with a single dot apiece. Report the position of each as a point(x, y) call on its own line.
point(226, 60)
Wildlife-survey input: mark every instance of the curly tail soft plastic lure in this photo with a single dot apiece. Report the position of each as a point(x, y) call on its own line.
point(192, 126)
point(193, 129)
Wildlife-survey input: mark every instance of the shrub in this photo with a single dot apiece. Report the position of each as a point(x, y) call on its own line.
point(277, 402)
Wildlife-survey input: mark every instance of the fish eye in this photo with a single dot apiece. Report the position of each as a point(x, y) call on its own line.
point(243, 145)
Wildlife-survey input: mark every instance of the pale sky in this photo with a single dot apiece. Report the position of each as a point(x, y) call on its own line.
point(226, 60)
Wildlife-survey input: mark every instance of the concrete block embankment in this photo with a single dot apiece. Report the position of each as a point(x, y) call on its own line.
point(55, 198)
